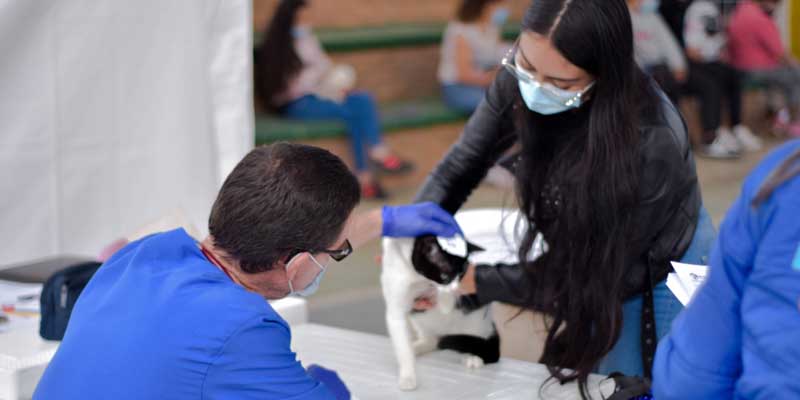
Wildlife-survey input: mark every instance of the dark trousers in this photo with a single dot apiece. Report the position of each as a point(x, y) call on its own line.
point(710, 83)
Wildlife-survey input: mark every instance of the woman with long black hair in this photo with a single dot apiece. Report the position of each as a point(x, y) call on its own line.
point(295, 78)
point(605, 175)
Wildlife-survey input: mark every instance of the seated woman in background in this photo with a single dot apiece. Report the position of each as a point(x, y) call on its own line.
point(756, 47)
point(471, 52)
point(738, 338)
point(296, 78)
point(711, 80)
point(656, 49)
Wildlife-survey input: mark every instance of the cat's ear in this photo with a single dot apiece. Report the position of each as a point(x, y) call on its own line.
point(473, 248)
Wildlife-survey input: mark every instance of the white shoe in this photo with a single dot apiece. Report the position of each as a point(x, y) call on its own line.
point(726, 139)
point(747, 139)
point(718, 149)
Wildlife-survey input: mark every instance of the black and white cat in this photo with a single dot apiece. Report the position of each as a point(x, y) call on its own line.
point(450, 324)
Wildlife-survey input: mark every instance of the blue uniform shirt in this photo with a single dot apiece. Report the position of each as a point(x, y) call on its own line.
point(158, 320)
point(740, 336)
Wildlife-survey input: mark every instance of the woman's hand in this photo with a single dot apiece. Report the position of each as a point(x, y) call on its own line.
point(467, 284)
point(418, 219)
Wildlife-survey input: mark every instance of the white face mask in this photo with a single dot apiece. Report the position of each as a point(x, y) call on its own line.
point(312, 287)
point(547, 99)
point(542, 98)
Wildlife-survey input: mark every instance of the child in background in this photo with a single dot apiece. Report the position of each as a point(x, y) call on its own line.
point(471, 52)
point(757, 49)
point(296, 78)
point(711, 80)
point(656, 49)
point(738, 338)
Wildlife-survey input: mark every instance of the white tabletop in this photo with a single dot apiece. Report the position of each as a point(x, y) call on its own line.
point(366, 364)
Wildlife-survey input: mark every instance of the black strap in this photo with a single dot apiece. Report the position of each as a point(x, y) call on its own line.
point(629, 387)
point(648, 322)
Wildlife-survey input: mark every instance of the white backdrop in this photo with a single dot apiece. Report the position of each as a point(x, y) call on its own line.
point(114, 113)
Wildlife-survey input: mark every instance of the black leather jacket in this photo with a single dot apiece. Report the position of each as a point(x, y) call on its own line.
point(669, 199)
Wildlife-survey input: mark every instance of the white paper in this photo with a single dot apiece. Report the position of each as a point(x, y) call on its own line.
point(23, 297)
point(686, 280)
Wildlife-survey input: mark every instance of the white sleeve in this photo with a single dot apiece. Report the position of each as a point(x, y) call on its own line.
point(672, 50)
point(694, 33)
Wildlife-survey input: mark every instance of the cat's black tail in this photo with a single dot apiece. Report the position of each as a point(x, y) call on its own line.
point(487, 349)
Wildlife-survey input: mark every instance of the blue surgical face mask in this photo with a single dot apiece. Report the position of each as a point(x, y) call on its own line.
point(301, 31)
point(649, 6)
point(500, 16)
point(312, 287)
point(547, 99)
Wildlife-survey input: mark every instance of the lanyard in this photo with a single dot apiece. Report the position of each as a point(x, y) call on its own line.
point(216, 262)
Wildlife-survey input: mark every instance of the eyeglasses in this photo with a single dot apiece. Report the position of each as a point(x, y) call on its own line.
point(337, 254)
point(509, 62)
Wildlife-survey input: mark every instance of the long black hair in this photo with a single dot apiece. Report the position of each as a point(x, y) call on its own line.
point(277, 62)
point(577, 183)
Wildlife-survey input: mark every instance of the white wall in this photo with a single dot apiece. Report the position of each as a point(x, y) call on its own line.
point(113, 113)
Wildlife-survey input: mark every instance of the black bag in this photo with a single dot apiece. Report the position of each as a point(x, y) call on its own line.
point(59, 294)
point(630, 387)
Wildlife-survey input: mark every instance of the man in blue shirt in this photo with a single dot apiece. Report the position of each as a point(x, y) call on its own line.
point(168, 317)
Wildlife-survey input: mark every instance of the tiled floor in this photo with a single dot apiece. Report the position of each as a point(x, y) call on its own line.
point(350, 294)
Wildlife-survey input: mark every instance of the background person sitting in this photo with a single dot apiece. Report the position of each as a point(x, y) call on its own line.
point(656, 49)
point(296, 78)
point(711, 80)
point(757, 49)
point(471, 52)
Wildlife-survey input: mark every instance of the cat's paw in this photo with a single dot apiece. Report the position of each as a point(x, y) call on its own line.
point(472, 362)
point(407, 382)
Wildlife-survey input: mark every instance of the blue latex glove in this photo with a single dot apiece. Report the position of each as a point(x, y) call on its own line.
point(418, 219)
point(331, 380)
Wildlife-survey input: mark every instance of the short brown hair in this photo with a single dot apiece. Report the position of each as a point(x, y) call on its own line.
point(279, 199)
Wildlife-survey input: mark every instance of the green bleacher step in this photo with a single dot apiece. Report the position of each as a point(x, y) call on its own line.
point(387, 36)
point(394, 116)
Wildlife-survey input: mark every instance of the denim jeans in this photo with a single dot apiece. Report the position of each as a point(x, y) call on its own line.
point(358, 111)
point(626, 356)
point(464, 98)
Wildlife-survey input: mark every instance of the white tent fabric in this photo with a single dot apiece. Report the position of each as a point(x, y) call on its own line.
point(114, 113)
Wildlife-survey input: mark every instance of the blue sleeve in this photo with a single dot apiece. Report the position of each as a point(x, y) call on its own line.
point(746, 316)
point(700, 357)
point(771, 303)
point(257, 363)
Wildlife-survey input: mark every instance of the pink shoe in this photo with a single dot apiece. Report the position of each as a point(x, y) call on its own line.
point(781, 124)
point(794, 130)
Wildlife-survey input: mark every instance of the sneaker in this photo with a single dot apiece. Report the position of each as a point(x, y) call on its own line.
point(727, 140)
point(391, 165)
point(747, 139)
point(781, 124)
point(372, 191)
point(719, 150)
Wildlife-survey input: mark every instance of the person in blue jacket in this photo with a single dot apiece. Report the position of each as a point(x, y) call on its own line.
point(168, 317)
point(740, 336)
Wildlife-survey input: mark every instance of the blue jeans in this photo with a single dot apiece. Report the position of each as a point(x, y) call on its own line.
point(358, 111)
point(464, 98)
point(626, 356)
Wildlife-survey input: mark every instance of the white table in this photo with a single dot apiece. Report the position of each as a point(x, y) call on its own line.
point(366, 363)
point(24, 355)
